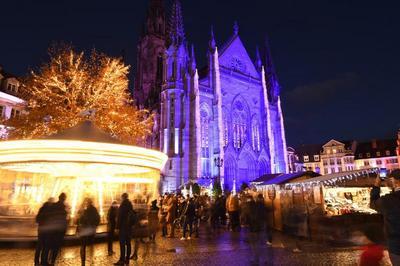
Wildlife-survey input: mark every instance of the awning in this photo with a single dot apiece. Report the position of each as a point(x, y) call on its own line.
point(331, 179)
point(283, 178)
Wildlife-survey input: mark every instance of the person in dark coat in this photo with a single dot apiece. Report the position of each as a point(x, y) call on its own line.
point(188, 215)
point(58, 226)
point(389, 207)
point(88, 221)
point(111, 224)
point(153, 220)
point(43, 243)
point(256, 218)
point(124, 224)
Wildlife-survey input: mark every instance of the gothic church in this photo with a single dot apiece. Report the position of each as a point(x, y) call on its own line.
point(222, 122)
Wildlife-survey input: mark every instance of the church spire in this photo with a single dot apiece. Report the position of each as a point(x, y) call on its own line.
point(212, 43)
point(155, 19)
point(176, 30)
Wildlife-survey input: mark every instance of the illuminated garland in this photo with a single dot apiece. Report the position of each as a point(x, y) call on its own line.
point(71, 84)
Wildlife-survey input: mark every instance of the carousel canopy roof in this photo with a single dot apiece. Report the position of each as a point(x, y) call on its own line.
point(85, 131)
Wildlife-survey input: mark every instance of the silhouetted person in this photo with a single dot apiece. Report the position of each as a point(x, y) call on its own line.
point(389, 207)
point(189, 215)
point(44, 230)
point(256, 218)
point(153, 220)
point(59, 223)
point(88, 221)
point(124, 224)
point(111, 224)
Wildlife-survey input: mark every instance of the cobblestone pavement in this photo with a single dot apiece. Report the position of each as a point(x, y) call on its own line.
point(219, 249)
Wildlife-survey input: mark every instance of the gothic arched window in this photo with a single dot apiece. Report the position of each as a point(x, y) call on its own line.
point(255, 135)
point(205, 145)
point(239, 124)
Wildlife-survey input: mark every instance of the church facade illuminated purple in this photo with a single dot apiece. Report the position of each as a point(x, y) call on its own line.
point(224, 120)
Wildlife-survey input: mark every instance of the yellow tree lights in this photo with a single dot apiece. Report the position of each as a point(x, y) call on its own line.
point(71, 84)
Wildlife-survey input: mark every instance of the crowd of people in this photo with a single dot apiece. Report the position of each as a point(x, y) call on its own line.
point(171, 213)
point(180, 216)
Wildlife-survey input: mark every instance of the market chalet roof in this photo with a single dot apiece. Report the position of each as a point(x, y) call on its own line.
point(342, 176)
point(277, 179)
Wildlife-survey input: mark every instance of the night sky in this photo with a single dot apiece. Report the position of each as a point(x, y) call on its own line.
point(337, 61)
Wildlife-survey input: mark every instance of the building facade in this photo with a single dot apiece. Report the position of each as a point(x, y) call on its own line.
point(10, 103)
point(223, 122)
point(341, 156)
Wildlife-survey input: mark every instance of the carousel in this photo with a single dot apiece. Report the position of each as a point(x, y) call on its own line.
point(82, 162)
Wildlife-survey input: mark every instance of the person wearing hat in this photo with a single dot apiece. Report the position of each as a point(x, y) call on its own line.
point(389, 207)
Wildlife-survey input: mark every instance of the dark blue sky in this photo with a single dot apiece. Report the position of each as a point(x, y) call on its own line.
point(337, 60)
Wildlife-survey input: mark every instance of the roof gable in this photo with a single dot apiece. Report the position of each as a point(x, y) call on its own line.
point(333, 142)
point(234, 56)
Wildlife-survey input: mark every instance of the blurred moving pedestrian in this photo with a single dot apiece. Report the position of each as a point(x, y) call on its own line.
point(171, 215)
point(111, 225)
point(372, 254)
point(389, 207)
point(188, 215)
point(88, 220)
point(44, 228)
point(124, 226)
point(256, 218)
point(58, 226)
point(153, 220)
point(162, 214)
point(232, 206)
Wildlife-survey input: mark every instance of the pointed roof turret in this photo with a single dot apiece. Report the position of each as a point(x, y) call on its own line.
point(192, 58)
point(235, 28)
point(270, 73)
point(176, 30)
point(212, 43)
point(258, 61)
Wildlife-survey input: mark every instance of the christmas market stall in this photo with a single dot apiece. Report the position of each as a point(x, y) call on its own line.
point(334, 206)
point(273, 188)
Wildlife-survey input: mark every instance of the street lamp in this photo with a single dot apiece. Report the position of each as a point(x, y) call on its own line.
point(219, 162)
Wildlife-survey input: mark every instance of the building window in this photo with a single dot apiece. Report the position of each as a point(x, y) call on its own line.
point(334, 151)
point(339, 161)
point(332, 170)
point(325, 171)
point(387, 153)
point(360, 155)
point(325, 162)
point(316, 158)
point(306, 158)
point(205, 151)
point(332, 161)
point(378, 162)
point(255, 136)
point(368, 155)
point(366, 163)
point(225, 133)
point(2, 110)
point(378, 153)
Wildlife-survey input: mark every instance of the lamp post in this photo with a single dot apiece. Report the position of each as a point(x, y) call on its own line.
point(219, 162)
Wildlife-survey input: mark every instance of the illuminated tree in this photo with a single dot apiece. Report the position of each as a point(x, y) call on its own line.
point(72, 84)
